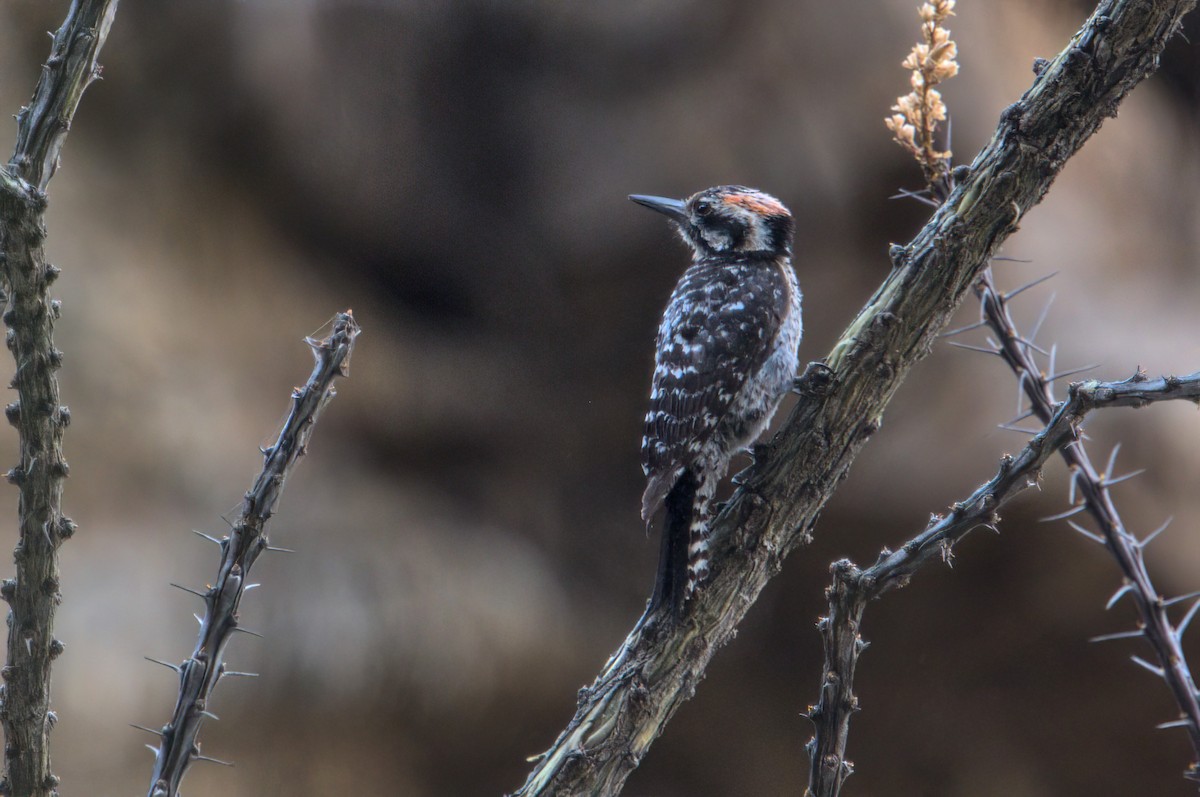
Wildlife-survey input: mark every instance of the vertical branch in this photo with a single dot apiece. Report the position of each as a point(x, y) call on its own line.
point(40, 420)
point(828, 767)
point(199, 674)
point(43, 124)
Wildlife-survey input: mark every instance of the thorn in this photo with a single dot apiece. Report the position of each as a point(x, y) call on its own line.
point(1120, 593)
point(1009, 428)
point(1041, 318)
point(1055, 377)
point(1137, 632)
point(208, 537)
point(279, 550)
point(1181, 598)
point(1112, 460)
point(1071, 486)
point(166, 664)
point(236, 674)
point(249, 587)
point(210, 715)
point(1075, 510)
point(198, 620)
point(1006, 297)
point(1182, 722)
point(1030, 344)
point(1007, 259)
point(152, 749)
point(961, 330)
point(248, 631)
point(1125, 478)
point(1085, 532)
point(210, 759)
point(1021, 389)
point(1154, 668)
point(189, 589)
point(147, 730)
point(969, 347)
point(1158, 531)
point(1187, 619)
point(917, 195)
point(1026, 414)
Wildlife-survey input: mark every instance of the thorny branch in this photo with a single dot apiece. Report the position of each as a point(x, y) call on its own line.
point(40, 420)
point(841, 403)
point(847, 595)
point(852, 588)
point(1096, 498)
point(199, 674)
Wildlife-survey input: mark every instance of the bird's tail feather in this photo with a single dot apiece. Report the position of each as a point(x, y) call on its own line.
point(697, 552)
point(673, 583)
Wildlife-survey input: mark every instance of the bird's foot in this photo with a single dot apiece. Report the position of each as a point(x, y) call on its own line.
point(816, 380)
point(757, 451)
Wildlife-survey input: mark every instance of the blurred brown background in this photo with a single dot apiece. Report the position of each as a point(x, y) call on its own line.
point(469, 550)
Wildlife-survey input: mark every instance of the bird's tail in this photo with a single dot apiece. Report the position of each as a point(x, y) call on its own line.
point(683, 557)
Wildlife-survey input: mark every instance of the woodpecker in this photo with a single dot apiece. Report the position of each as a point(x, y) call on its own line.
point(725, 355)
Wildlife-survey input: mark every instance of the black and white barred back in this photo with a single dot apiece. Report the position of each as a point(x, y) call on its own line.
point(725, 356)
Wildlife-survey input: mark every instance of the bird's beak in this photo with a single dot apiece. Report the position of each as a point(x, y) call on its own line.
point(674, 209)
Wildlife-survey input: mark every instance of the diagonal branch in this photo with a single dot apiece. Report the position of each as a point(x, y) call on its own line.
point(852, 588)
point(199, 674)
point(40, 420)
point(659, 665)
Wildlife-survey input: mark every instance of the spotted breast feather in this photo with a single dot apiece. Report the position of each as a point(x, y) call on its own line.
point(716, 335)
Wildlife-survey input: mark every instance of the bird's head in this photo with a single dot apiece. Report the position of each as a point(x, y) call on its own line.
point(728, 219)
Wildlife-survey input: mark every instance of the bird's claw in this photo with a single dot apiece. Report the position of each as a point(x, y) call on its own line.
point(816, 379)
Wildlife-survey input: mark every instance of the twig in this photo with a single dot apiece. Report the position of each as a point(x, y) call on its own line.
point(30, 314)
point(1096, 498)
point(199, 674)
point(852, 588)
point(773, 512)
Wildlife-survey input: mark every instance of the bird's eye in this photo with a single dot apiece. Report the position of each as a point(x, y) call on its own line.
point(703, 208)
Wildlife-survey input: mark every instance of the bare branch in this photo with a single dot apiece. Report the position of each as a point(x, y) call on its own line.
point(658, 666)
point(199, 674)
point(37, 414)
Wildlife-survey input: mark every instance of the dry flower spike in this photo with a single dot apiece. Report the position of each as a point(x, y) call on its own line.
point(916, 115)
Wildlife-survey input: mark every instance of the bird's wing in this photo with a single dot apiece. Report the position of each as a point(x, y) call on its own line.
point(717, 332)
